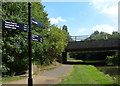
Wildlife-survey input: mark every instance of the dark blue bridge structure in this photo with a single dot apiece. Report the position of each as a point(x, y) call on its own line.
point(92, 45)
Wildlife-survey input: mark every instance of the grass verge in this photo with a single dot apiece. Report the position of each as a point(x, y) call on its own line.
point(87, 74)
point(72, 60)
point(9, 79)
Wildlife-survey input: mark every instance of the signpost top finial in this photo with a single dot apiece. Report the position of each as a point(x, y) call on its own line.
point(30, 4)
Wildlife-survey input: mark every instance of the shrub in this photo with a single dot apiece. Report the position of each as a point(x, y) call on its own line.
point(113, 60)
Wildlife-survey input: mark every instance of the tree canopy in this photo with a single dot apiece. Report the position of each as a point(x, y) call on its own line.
point(103, 36)
point(15, 42)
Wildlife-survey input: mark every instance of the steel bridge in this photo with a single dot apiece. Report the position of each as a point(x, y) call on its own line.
point(79, 44)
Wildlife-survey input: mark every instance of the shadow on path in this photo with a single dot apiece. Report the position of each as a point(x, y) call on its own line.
point(86, 63)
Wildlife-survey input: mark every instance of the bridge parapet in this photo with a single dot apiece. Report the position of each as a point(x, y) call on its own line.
point(91, 38)
point(79, 38)
point(113, 44)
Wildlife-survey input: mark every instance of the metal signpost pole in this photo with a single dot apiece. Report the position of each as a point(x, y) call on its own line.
point(30, 46)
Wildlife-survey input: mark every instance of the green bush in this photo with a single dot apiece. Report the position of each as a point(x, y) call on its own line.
point(113, 60)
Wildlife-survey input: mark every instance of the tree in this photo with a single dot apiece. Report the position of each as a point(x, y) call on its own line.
point(40, 49)
point(15, 43)
point(58, 42)
point(96, 33)
point(99, 36)
point(115, 35)
point(65, 30)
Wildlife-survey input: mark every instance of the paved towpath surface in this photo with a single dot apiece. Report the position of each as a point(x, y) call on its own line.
point(49, 77)
point(60, 71)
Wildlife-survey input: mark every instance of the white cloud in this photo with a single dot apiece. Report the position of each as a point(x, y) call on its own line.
point(57, 20)
point(104, 28)
point(111, 11)
point(109, 7)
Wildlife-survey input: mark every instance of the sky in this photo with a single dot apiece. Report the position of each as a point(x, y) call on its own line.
point(84, 17)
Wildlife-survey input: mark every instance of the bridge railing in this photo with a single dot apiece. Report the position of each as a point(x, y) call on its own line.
point(88, 38)
point(79, 38)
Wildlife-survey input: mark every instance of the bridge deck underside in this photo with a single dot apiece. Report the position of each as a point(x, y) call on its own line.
point(98, 45)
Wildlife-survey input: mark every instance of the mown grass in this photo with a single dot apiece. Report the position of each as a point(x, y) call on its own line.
point(9, 78)
point(72, 60)
point(87, 74)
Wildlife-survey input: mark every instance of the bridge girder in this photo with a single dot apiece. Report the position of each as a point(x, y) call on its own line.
point(99, 45)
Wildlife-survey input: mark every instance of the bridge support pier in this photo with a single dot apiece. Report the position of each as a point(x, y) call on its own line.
point(64, 57)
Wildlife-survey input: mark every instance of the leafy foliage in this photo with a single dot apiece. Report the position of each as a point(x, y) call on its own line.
point(103, 36)
point(114, 59)
point(14, 48)
point(15, 43)
point(65, 30)
point(57, 40)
